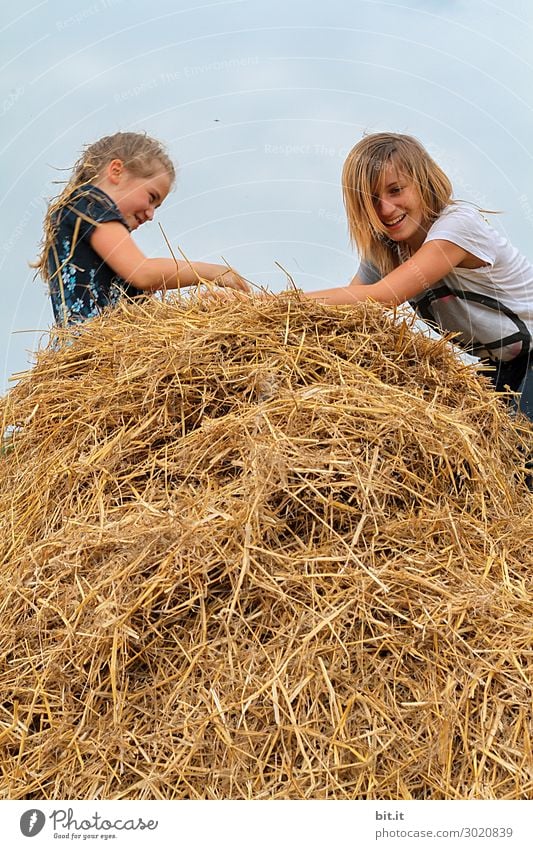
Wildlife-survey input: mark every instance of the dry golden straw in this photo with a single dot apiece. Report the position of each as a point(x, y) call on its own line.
point(263, 549)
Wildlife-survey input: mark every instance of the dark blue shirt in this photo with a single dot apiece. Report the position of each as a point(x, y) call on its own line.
point(84, 284)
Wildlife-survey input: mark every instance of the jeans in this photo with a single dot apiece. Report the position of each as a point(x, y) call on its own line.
point(526, 398)
point(516, 375)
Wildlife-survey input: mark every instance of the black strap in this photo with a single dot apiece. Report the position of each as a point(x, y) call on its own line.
point(423, 307)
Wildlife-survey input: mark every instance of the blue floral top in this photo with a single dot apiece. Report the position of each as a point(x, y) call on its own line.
point(81, 284)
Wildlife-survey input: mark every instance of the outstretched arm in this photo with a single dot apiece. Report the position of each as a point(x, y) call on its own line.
point(425, 268)
point(113, 243)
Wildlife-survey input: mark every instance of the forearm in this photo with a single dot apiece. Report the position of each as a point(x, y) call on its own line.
point(423, 270)
point(113, 243)
point(353, 294)
point(155, 274)
point(400, 285)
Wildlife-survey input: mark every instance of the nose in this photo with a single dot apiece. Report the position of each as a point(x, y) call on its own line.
point(149, 213)
point(385, 208)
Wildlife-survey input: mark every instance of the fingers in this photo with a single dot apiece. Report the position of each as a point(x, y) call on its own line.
point(231, 280)
point(238, 284)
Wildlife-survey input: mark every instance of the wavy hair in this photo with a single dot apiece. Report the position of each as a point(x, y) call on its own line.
point(142, 155)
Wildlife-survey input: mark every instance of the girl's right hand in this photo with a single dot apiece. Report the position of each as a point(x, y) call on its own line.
point(231, 280)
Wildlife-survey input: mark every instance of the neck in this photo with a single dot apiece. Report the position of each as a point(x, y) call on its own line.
point(105, 185)
point(416, 241)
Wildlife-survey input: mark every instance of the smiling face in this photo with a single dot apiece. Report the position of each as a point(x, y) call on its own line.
point(136, 197)
point(399, 207)
point(385, 176)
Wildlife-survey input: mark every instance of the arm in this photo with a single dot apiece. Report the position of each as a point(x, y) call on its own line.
point(426, 267)
point(113, 243)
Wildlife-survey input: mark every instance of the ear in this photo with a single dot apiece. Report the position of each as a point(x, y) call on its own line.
point(114, 170)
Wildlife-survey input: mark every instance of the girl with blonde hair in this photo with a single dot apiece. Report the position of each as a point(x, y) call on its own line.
point(417, 244)
point(88, 257)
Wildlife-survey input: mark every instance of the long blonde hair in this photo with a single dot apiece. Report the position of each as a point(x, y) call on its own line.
point(362, 177)
point(142, 155)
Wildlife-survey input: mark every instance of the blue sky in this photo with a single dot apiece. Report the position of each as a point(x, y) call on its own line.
point(258, 104)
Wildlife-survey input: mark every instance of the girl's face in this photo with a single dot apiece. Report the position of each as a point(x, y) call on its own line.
point(399, 208)
point(138, 197)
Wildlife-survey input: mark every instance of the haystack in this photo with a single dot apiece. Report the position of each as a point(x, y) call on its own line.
point(267, 550)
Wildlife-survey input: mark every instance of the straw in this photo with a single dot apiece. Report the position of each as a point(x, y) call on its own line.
point(263, 549)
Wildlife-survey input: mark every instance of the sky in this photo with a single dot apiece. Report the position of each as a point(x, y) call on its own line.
point(258, 104)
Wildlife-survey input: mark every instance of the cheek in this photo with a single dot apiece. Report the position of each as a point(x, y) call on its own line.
point(136, 201)
point(416, 205)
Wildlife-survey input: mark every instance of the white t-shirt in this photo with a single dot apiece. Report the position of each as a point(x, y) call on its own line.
point(491, 308)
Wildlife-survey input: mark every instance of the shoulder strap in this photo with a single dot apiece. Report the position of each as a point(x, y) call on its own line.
point(522, 334)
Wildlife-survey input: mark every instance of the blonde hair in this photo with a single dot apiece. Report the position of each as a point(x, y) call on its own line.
point(362, 178)
point(142, 155)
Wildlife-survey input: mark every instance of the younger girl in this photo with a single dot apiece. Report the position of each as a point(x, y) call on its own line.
point(89, 258)
point(418, 245)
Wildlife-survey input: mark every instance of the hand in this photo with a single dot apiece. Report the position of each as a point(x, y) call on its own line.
point(231, 280)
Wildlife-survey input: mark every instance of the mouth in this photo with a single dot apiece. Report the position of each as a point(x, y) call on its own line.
point(392, 225)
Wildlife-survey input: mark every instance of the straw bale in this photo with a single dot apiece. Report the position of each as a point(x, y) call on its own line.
point(263, 549)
